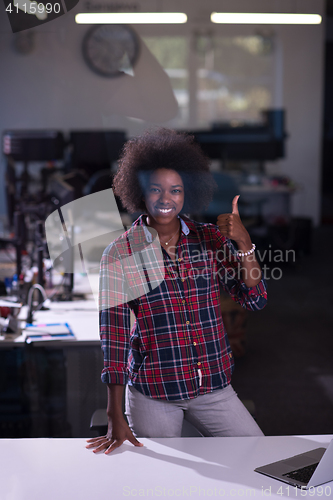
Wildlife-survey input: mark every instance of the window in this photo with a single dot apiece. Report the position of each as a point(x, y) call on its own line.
point(234, 77)
point(172, 54)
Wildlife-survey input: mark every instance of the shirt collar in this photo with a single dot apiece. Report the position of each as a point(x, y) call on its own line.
point(141, 221)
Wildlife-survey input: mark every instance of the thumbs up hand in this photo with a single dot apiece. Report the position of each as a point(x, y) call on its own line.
point(231, 226)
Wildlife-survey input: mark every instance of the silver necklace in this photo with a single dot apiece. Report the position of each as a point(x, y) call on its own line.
point(167, 242)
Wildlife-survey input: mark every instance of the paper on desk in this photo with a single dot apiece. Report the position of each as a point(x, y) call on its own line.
point(8, 303)
point(48, 331)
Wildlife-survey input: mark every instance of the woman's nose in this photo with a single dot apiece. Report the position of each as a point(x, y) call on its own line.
point(165, 197)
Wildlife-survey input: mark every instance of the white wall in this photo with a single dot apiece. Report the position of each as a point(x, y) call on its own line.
point(303, 100)
point(53, 88)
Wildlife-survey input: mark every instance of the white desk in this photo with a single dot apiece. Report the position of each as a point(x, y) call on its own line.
point(80, 364)
point(274, 201)
point(62, 469)
point(81, 315)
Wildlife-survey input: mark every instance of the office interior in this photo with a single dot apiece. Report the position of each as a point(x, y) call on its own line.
point(258, 98)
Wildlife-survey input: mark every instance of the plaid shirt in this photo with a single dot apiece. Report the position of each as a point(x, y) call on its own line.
point(177, 347)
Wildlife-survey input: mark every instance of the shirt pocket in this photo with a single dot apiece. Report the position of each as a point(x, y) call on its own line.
point(201, 272)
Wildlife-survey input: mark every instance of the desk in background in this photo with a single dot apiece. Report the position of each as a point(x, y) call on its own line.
point(274, 202)
point(56, 469)
point(267, 198)
point(51, 388)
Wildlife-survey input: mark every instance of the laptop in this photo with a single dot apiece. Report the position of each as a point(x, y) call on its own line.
point(305, 470)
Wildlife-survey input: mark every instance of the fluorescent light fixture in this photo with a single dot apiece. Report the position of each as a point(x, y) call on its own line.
point(131, 18)
point(258, 18)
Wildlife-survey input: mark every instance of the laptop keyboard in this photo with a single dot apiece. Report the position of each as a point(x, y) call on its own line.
point(303, 475)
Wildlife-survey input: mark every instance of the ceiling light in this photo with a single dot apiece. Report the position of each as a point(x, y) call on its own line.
point(131, 18)
point(258, 18)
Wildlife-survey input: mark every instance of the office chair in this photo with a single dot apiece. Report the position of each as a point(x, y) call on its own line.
point(98, 423)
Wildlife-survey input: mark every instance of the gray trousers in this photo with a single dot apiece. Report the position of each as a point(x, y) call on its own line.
point(218, 413)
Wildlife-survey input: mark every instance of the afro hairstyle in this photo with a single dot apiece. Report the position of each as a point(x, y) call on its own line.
point(169, 149)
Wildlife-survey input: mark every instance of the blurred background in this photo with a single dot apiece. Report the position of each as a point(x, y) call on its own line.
point(259, 100)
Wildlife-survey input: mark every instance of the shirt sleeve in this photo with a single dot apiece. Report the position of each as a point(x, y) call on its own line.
point(114, 319)
point(230, 276)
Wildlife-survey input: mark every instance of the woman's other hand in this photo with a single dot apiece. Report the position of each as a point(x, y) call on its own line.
point(118, 432)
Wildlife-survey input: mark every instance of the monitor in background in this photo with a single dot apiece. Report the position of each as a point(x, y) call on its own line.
point(33, 145)
point(95, 150)
point(27, 146)
point(262, 141)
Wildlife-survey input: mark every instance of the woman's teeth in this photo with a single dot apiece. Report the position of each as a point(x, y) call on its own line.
point(164, 210)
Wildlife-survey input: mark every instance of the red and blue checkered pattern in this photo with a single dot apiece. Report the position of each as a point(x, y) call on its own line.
point(178, 328)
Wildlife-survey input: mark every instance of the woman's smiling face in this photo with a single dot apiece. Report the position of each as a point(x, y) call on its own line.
point(164, 197)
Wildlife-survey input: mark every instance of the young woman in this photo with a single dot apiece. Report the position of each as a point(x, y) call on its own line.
point(176, 361)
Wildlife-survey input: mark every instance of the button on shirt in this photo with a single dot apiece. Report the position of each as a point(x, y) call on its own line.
point(178, 347)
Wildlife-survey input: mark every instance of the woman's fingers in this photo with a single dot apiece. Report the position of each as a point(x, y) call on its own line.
point(114, 446)
point(132, 439)
point(94, 440)
point(105, 446)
